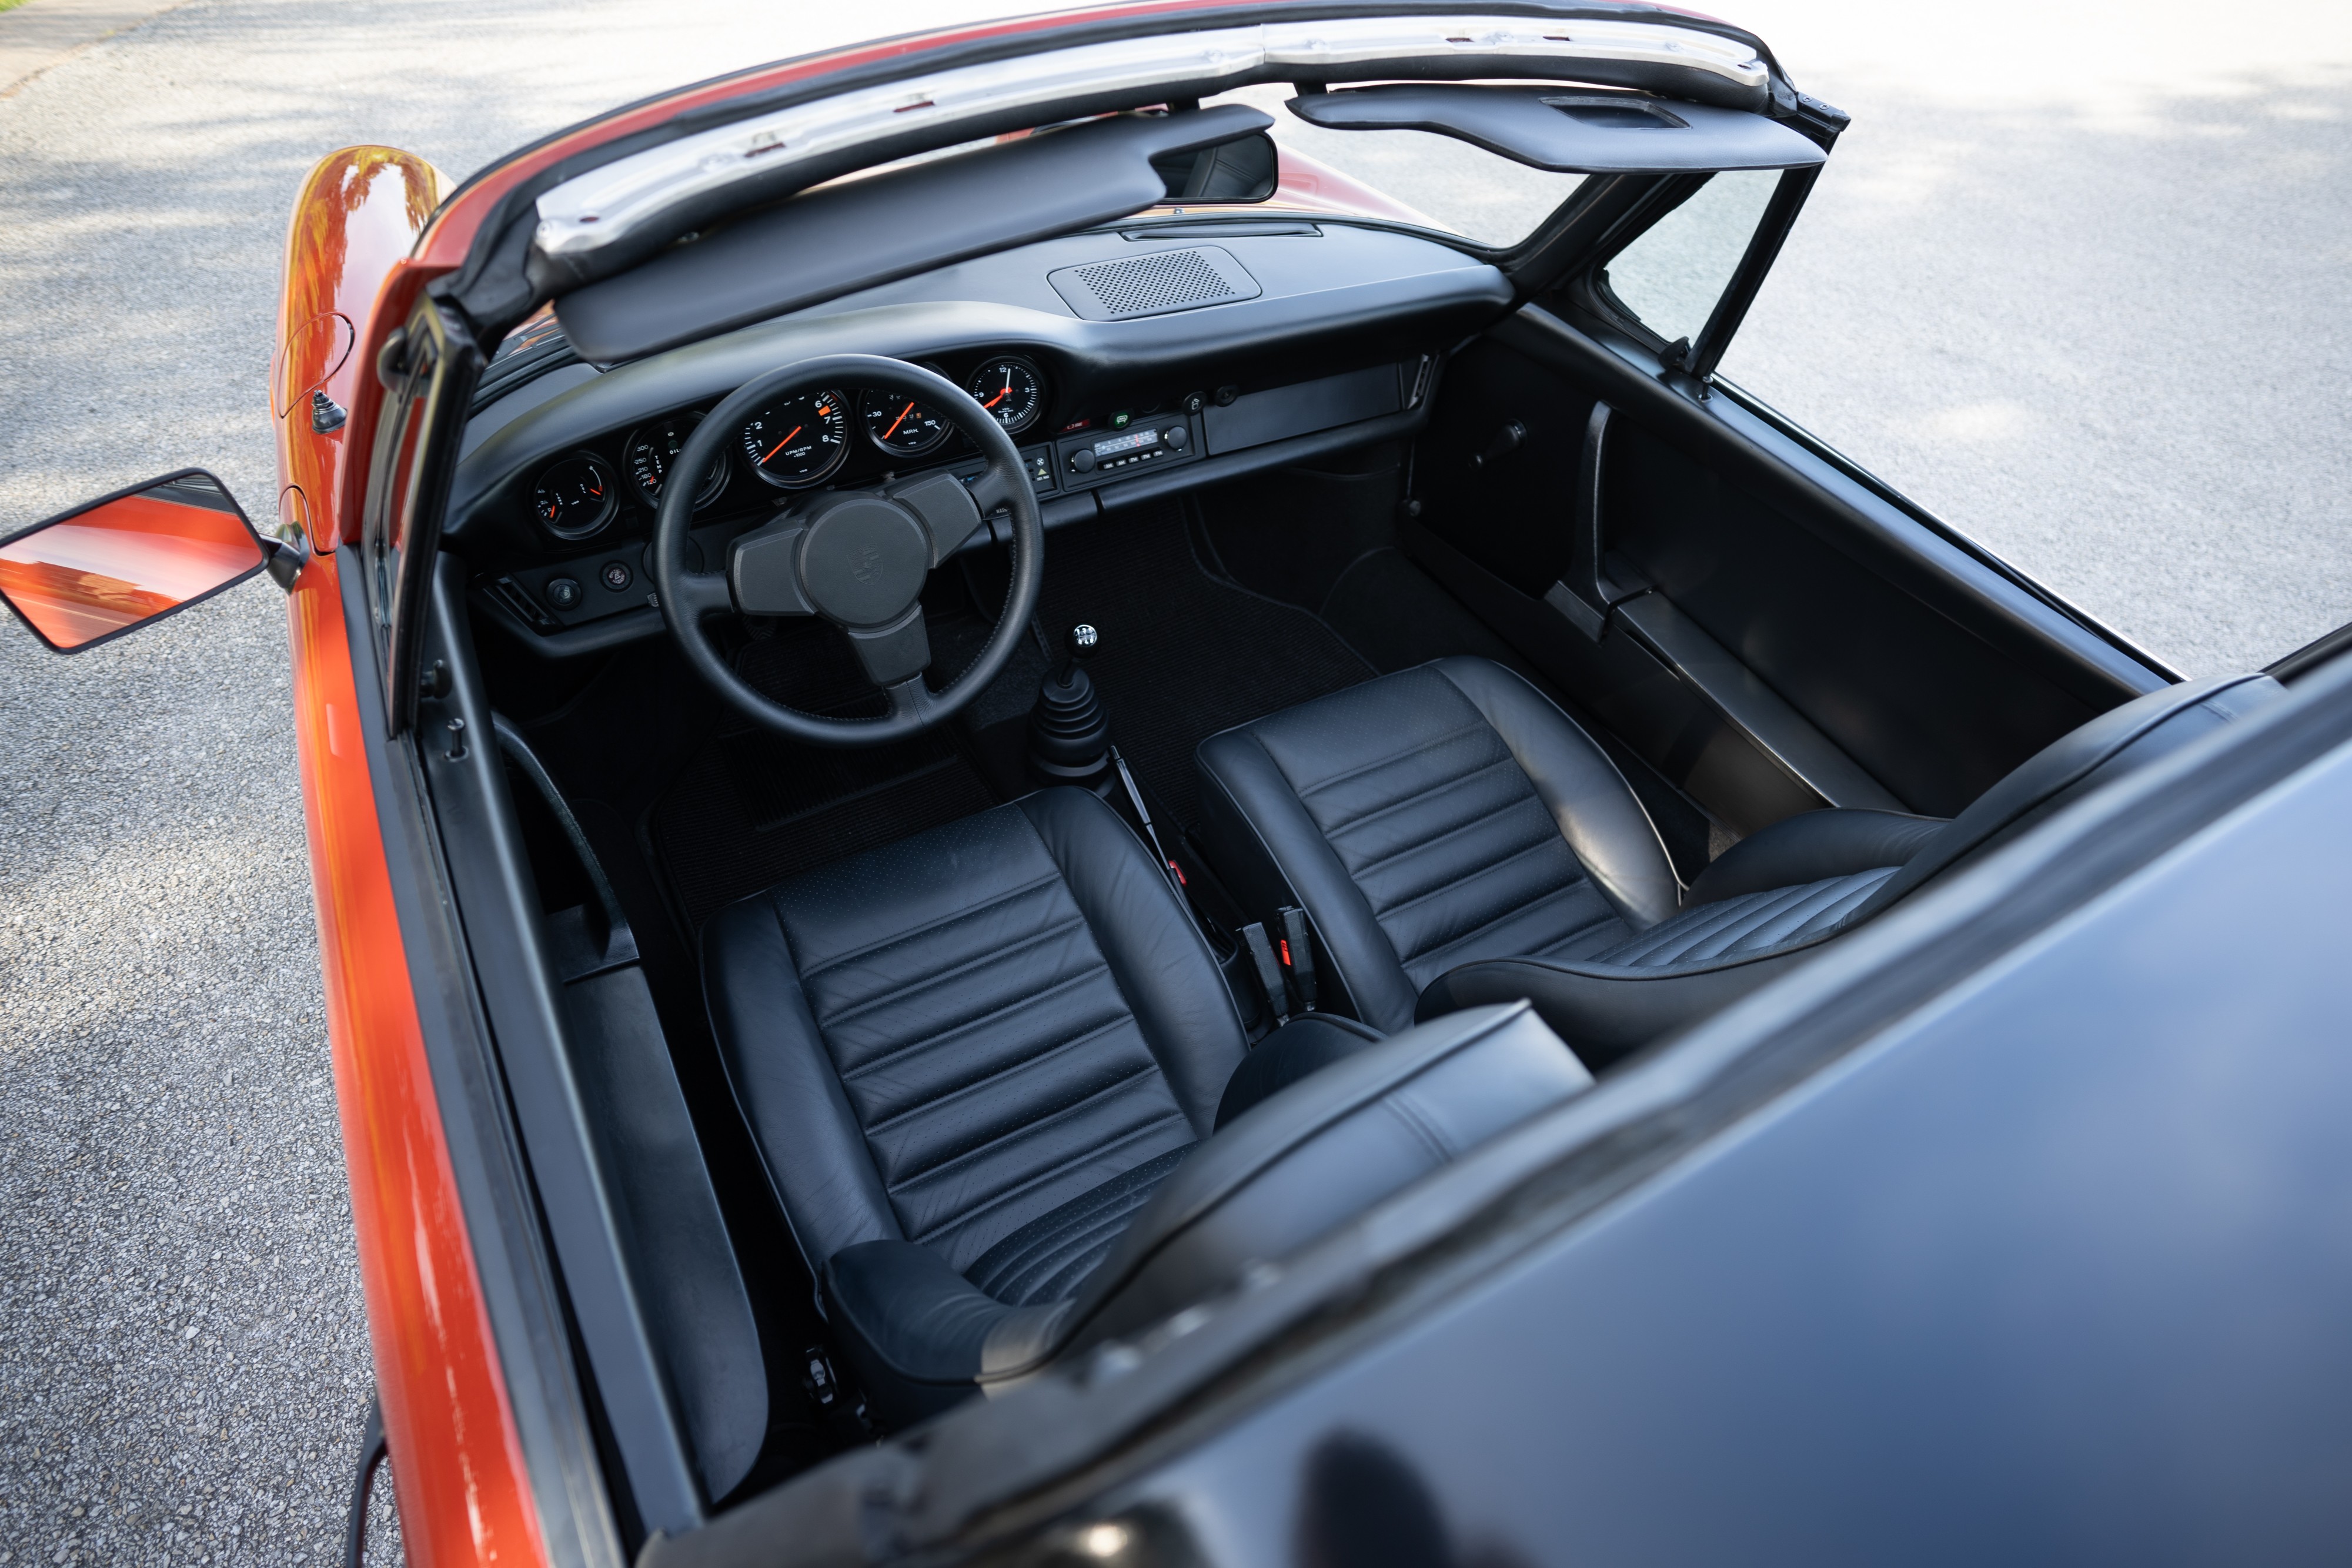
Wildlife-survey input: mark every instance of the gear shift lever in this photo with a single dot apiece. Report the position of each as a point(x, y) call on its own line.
point(1069, 735)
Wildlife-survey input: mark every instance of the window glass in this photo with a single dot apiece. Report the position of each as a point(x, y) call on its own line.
point(1671, 278)
point(1409, 176)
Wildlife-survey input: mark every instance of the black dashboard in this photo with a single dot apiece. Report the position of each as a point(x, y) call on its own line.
point(1126, 363)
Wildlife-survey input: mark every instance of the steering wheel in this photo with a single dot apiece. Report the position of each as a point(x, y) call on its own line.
point(856, 557)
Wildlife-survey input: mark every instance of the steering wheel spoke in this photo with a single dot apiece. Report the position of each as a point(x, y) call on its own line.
point(697, 594)
point(912, 701)
point(993, 491)
point(895, 654)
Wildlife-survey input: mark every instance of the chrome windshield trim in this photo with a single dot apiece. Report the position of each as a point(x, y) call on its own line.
point(606, 205)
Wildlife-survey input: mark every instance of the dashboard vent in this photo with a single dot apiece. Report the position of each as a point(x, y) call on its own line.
point(1153, 284)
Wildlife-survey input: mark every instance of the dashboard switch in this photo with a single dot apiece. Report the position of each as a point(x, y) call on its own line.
point(1082, 461)
point(1176, 437)
point(616, 575)
point(563, 593)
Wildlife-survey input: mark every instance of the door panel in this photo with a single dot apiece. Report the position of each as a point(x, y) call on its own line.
point(1842, 646)
point(1931, 711)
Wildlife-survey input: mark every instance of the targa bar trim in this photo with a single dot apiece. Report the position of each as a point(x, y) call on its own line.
point(608, 205)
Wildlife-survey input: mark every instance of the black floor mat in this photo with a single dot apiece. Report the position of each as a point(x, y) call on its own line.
point(752, 808)
point(709, 842)
point(1183, 654)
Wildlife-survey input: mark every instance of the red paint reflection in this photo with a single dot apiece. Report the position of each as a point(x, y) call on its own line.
point(120, 563)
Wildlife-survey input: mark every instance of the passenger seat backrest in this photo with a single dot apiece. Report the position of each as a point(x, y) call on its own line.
point(2120, 741)
point(1321, 1153)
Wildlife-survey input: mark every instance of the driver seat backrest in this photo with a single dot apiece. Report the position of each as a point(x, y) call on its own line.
point(1456, 840)
point(945, 1041)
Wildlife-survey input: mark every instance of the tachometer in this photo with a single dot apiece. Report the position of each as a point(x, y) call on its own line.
point(654, 450)
point(798, 440)
point(576, 496)
point(901, 426)
point(1010, 388)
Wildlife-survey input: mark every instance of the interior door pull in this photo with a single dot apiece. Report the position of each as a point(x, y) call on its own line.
point(1585, 595)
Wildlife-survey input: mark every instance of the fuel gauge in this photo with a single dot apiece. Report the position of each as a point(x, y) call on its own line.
point(576, 496)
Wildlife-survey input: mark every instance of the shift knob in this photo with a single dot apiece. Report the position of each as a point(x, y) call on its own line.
point(1078, 644)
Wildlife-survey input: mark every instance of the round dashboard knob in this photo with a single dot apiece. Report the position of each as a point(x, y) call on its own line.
point(1176, 437)
point(1082, 461)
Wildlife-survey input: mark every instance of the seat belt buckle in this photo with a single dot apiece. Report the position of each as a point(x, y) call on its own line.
point(1269, 971)
point(1297, 954)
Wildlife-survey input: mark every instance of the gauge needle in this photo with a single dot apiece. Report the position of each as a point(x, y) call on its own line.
point(999, 397)
point(780, 445)
point(897, 422)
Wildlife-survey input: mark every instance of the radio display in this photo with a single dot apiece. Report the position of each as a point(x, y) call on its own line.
point(1111, 445)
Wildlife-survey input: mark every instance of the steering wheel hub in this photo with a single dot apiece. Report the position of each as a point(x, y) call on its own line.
point(865, 560)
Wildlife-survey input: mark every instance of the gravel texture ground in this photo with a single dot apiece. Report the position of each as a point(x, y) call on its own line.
point(2084, 298)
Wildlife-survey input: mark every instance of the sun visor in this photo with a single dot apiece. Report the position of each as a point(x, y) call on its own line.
point(1569, 130)
point(838, 239)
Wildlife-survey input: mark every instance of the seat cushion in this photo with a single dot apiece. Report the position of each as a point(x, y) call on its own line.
point(941, 1041)
point(922, 1336)
point(1680, 970)
point(1319, 1154)
point(1429, 819)
point(1368, 1123)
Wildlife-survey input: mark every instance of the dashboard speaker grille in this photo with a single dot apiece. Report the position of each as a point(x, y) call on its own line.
point(1150, 284)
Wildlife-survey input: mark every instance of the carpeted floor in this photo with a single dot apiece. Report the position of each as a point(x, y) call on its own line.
point(1184, 654)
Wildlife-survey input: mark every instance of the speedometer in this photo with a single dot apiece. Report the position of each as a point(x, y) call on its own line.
point(1010, 388)
point(798, 440)
point(901, 426)
point(654, 449)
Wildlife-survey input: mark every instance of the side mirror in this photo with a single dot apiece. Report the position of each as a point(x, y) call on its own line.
point(136, 556)
point(1245, 168)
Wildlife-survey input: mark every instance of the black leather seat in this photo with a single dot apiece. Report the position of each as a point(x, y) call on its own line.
point(970, 1058)
point(1456, 840)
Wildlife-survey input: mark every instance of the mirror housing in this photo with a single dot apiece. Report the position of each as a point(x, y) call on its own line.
point(116, 564)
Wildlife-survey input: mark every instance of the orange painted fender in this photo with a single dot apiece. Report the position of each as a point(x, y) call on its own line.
point(464, 1493)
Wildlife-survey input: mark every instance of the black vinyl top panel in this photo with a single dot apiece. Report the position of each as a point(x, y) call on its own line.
point(831, 241)
point(1569, 130)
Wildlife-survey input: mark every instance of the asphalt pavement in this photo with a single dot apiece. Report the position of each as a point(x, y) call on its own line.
point(2075, 280)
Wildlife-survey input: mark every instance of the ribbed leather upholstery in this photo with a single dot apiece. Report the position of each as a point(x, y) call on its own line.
point(1751, 923)
point(969, 1059)
point(1296, 1164)
point(1045, 1258)
point(1403, 816)
point(1418, 833)
point(946, 1039)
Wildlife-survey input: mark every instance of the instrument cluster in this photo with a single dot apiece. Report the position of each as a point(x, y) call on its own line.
point(796, 444)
